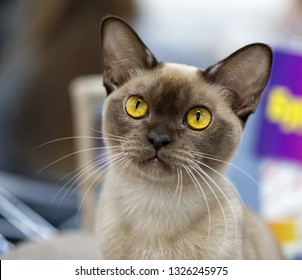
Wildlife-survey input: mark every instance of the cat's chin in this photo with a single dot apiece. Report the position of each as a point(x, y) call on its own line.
point(154, 168)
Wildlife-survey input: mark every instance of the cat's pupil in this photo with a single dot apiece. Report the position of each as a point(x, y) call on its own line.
point(138, 103)
point(198, 115)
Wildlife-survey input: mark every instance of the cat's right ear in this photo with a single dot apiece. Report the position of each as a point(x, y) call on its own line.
point(123, 52)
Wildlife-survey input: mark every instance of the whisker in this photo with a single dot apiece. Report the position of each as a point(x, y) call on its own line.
point(112, 137)
point(82, 202)
point(230, 164)
point(107, 164)
point(65, 138)
point(197, 185)
point(72, 185)
point(116, 148)
point(178, 182)
point(207, 155)
point(69, 155)
point(92, 184)
point(197, 169)
point(78, 176)
point(122, 171)
point(179, 185)
point(108, 134)
point(227, 180)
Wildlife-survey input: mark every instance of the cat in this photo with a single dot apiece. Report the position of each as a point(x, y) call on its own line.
point(170, 131)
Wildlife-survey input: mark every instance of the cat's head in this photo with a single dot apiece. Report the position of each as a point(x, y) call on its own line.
point(161, 119)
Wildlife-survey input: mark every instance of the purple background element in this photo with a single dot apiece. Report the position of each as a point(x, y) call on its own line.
point(272, 142)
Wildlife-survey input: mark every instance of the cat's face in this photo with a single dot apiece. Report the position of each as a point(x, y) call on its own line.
point(164, 135)
point(162, 120)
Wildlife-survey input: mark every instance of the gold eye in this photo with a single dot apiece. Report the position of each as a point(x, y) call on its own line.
point(136, 107)
point(198, 118)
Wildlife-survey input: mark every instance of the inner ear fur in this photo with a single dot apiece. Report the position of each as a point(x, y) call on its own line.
point(123, 52)
point(244, 74)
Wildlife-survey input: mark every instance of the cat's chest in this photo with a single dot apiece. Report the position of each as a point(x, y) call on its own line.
point(124, 244)
point(157, 211)
point(152, 223)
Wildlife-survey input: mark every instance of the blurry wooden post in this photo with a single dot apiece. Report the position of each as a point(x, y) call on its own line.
point(85, 92)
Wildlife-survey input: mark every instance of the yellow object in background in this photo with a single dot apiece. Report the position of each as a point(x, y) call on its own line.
point(285, 230)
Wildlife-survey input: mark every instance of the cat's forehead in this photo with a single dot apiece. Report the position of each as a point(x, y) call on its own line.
point(180, 76)
point(179, 84)
point(180, 69)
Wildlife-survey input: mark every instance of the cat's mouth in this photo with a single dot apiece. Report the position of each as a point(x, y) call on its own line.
point(156, 159)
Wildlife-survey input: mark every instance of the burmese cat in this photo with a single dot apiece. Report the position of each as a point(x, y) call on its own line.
point(170, 129)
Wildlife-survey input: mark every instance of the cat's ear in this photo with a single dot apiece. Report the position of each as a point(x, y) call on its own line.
point(244, 74)
point(123, 52)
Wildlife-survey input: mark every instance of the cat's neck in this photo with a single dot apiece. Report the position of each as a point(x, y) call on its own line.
point(164, 207)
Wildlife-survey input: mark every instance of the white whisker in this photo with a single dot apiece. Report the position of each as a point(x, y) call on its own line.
point(198, 187)
point(69, 155)
point(122, 171)
point(103, 154)
point(114, 159)
point(120, 161)
point(227, 180)
point(207, 156)
point(78, 176)
point(179, 185)
point(63, 139)
point(118, 137)
point(198, 170)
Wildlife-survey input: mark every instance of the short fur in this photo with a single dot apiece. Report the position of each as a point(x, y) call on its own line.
point(182, 208)
point(174, 202)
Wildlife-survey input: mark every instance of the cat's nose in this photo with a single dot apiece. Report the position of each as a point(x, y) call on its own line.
point(159, 138)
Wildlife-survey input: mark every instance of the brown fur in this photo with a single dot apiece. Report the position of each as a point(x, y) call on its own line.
point(183, 208)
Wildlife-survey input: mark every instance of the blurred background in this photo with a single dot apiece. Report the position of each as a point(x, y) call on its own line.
point(45, 44)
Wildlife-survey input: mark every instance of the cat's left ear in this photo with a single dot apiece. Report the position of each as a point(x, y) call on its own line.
point(123, 52)
point(244, 74)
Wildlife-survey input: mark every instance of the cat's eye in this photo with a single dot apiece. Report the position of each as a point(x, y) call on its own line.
point(198, 118)
point(136, 107)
